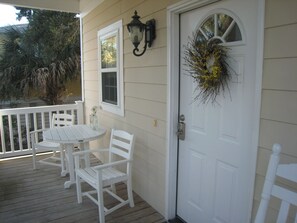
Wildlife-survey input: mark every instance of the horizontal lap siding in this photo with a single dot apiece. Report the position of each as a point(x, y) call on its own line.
point(279, 94)
point(280, 74)
point(145, 91)
point(149, 108)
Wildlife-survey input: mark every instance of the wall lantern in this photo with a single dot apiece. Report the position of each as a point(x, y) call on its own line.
point(136, 31)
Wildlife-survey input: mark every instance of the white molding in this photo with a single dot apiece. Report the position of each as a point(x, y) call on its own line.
point(188, 5)
point(113, 29)
point(56, 5)
point(258, 94)
point(82, 79)
point(173, 13)
point(86, 6)
point(172, 112)
point(83, 7)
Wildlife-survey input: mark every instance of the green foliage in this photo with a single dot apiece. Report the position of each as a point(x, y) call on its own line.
point(14, 55)
point(43, 57)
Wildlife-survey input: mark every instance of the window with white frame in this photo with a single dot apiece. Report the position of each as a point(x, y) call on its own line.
point(110, 46)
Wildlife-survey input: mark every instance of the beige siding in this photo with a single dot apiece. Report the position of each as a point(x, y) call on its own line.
point(146, 87)
point(279, 94)
point(145, 91)
point(148, 75)
point(279, 41)
point(280, 74)
point(279, 14)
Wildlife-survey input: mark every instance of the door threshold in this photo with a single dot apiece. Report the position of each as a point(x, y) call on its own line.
point(176, 220)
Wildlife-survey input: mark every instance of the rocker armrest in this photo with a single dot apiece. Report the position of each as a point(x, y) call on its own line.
point(107, 165)
point(80, 153)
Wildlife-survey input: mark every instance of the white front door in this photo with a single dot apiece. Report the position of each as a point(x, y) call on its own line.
point(214, 161)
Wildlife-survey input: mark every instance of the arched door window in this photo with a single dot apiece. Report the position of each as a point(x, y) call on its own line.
point(219, 27)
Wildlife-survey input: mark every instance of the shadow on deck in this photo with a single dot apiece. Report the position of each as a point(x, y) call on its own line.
point(34, 196)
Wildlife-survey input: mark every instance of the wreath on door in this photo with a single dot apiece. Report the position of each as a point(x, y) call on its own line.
point(206, 62)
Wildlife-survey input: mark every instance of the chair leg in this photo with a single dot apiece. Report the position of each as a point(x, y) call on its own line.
point(78, 189)
point(100, 204)
point(66, 161)
point(113, 188)
point(63, 166)
point(34, 158)
point(130, 193)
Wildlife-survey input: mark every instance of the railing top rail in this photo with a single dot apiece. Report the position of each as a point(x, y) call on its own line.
point(37, 109)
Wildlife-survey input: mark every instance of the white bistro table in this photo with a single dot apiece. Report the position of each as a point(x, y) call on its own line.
point(68, 136)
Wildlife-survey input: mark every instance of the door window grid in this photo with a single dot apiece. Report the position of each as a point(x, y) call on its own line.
point(220, 27)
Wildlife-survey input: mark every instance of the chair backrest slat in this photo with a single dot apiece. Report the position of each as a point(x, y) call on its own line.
point(284, 194)
point(121, 144)
point(287, 171)
point(123, 134)
point(60, 120)
point(120, 153)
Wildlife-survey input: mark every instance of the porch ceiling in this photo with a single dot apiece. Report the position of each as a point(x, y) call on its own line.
point(78, 6)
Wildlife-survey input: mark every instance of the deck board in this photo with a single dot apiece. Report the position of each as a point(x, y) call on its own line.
point(37, 196)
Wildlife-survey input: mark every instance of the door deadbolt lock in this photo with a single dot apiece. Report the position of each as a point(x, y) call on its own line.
point(181, 128)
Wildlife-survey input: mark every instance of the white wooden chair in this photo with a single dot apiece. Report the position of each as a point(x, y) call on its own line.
point(288, 197)
point(58, 120)
point(104, 177)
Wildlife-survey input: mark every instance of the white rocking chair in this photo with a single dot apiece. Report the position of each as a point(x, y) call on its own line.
point(288, 197)
point(58, 120)
point(104, 177)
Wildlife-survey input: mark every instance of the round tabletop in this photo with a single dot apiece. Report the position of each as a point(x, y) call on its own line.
point(72, 134)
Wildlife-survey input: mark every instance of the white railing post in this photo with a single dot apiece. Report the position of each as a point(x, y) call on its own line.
point(80, 112)
point(27, 130)
point(19, 131)
point(3, 146)
point(11, 133)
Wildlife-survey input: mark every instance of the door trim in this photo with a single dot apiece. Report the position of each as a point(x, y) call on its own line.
point(173, 17)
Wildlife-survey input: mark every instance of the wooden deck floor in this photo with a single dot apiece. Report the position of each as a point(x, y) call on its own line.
point(35, 196)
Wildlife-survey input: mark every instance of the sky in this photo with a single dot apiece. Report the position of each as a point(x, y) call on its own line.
point(8, 16)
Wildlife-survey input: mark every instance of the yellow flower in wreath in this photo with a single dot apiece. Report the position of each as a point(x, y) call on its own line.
point(207, 64)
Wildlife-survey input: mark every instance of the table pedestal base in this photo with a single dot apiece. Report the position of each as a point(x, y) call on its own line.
point(64, 173)
point(68, 184)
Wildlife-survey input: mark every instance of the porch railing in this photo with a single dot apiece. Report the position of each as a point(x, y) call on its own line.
point(16, 124)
